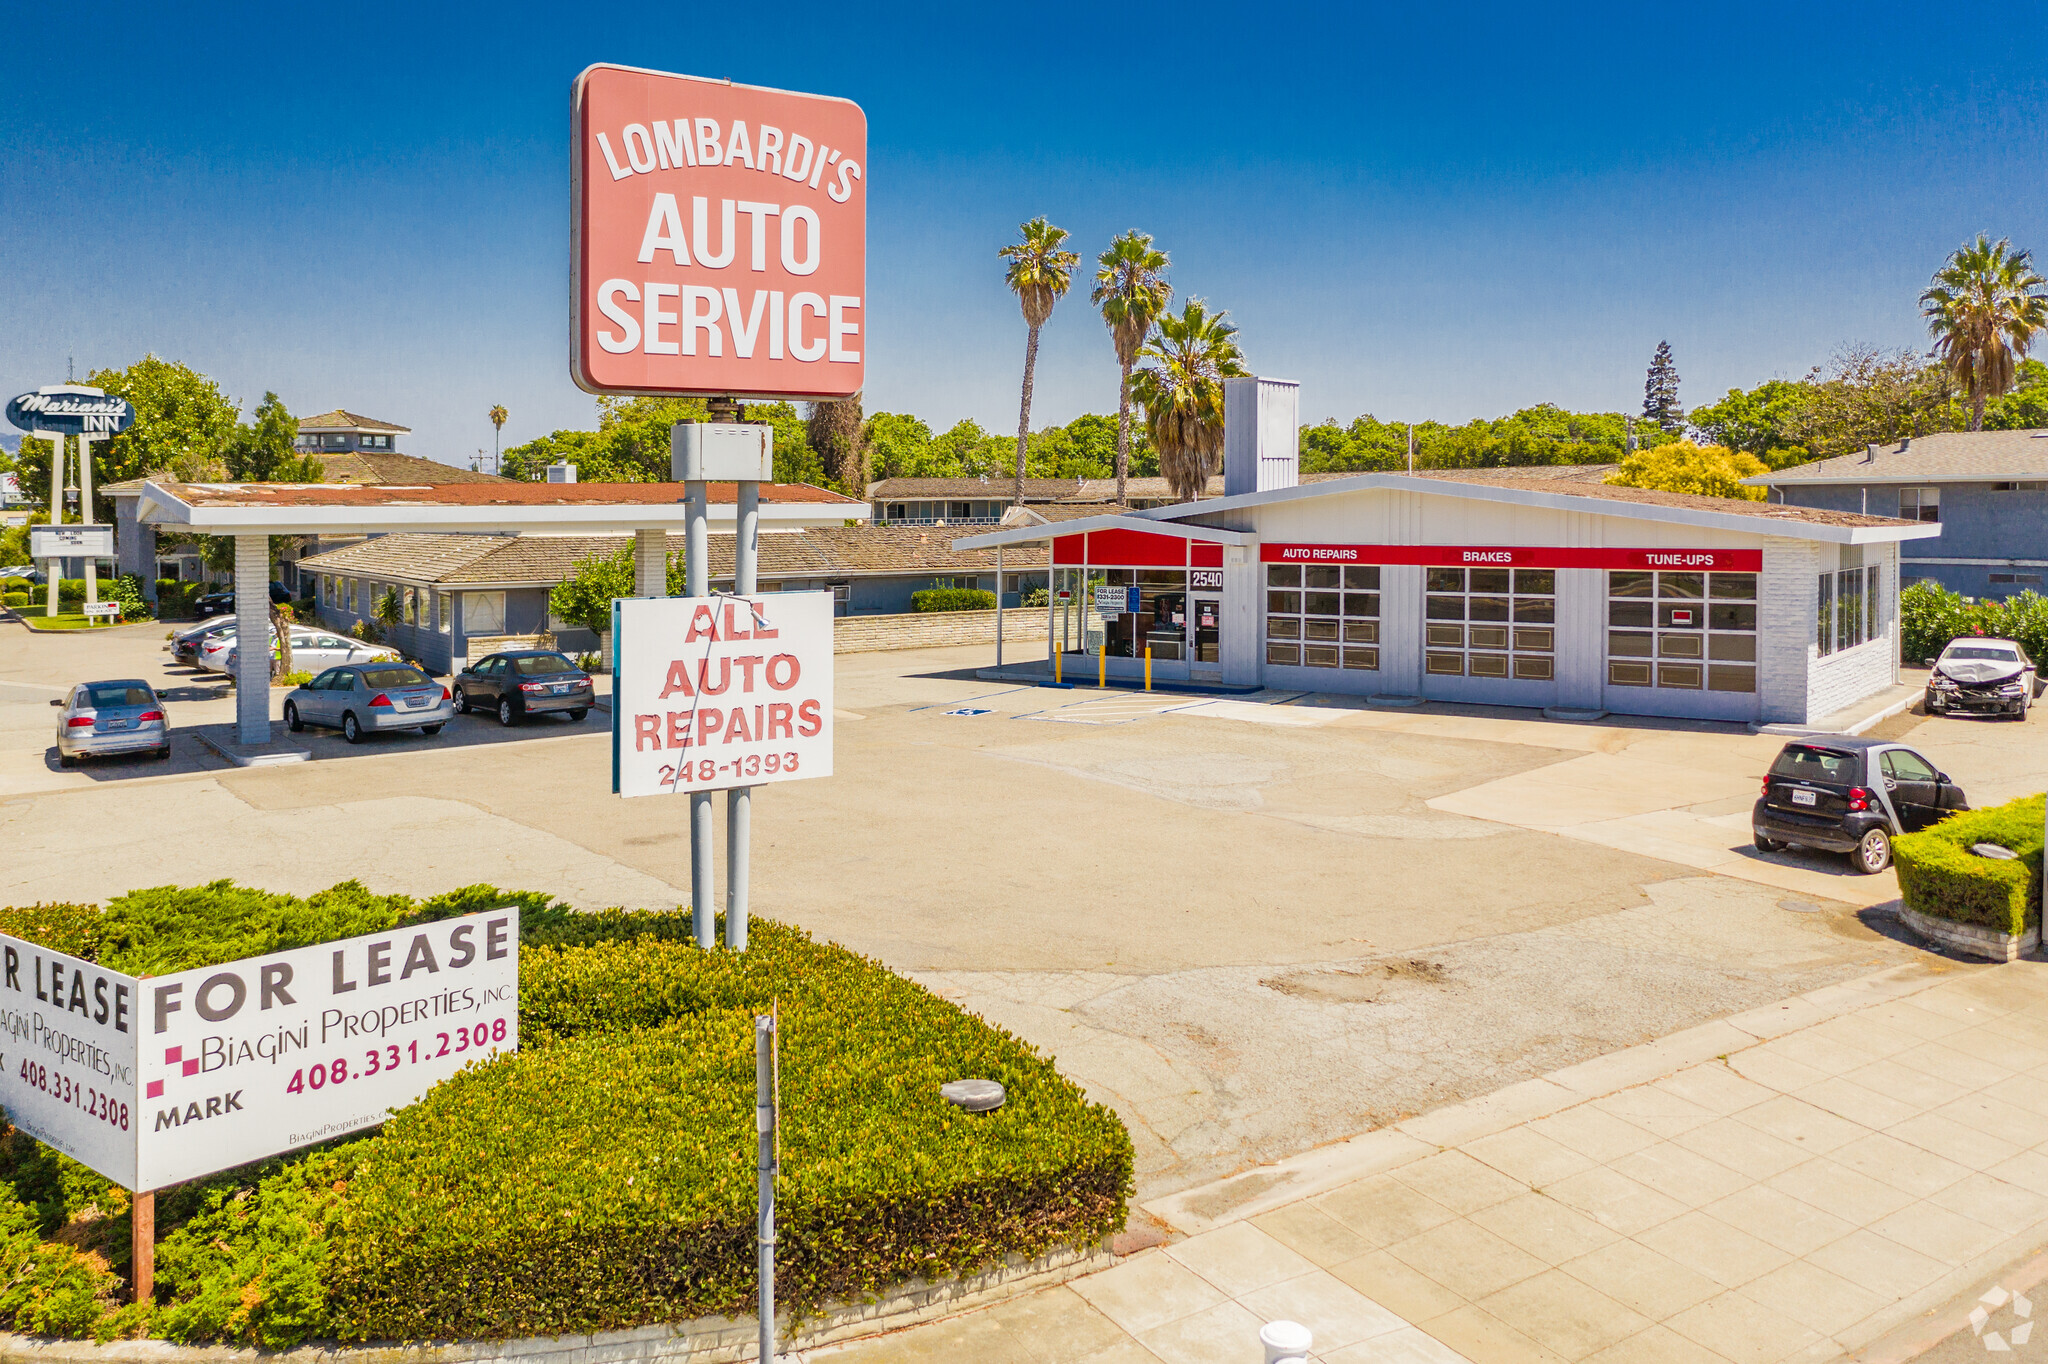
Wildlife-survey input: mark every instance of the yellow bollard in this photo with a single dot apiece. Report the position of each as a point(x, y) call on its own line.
point(1102, 667)
point(1057, 658)
point(1148, 667)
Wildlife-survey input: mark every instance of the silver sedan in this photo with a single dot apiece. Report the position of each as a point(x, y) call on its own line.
point(103, 719)
point(362, 698)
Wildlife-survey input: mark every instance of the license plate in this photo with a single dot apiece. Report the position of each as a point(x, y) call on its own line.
point(1805, 798)
point(116, 724)
point(564, 688)
point(415, 701)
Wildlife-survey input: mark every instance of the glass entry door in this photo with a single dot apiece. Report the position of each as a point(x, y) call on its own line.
point(1205, 633)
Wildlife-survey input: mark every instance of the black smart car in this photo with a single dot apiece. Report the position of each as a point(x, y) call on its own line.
point(1848, 795)
point(527, 682)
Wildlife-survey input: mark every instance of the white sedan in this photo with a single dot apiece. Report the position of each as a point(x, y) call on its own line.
point(312, 651)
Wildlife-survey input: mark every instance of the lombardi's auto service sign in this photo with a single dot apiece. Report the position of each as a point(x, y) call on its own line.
point(719, 238)
point(715, 692)
point(156, 1080)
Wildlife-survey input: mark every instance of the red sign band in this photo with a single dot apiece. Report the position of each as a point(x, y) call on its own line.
point(1519, 556)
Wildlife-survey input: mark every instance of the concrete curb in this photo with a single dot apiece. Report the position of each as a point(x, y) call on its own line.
point(220, 739)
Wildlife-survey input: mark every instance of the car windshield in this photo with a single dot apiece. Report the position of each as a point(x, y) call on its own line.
point(393, 677)
point(1815, 764)
point(106, 695)
point(1983, 652)
point(543, 665)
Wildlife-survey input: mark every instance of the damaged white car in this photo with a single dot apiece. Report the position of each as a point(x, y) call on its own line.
point(1992, 676)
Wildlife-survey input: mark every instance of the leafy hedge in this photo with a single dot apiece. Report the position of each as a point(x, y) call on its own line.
point(603, 1176)
point(1940, 877)
point(1930, 616)
point(953, 599)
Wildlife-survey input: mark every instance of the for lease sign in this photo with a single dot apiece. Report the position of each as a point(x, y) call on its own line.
point(714, 692)
point(153, 1081)
point(720, 237)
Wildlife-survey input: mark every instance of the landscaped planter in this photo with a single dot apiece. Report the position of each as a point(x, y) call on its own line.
point(1983, 906)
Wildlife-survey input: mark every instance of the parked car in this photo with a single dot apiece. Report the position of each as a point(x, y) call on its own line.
point(522, 683)
point(360, 698)
point(312, 650)
point(1850, 795)
point(1992, 675)
point(102, 719)
point(212, 602)
point(186, 644)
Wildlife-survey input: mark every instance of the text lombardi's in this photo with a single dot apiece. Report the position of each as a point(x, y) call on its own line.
point(719, 692)
point(720, 237)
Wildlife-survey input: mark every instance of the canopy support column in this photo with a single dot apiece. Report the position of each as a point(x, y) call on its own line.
point(650, 563)
point(252, 639)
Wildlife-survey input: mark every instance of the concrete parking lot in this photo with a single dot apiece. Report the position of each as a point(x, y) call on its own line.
point(1253, 926)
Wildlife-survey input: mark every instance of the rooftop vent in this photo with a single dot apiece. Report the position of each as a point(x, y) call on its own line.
point(1261, 440)
point(561, 471)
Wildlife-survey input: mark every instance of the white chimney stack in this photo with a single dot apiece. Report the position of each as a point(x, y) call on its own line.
point(1261, 435)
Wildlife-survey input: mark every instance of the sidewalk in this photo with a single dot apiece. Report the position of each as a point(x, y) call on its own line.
point(1791, 1183)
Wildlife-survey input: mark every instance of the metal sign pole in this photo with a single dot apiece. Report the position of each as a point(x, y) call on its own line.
point(697, 566)
point(53, 569)
point(92, 568)
point(764, 1169)
point(739, 800)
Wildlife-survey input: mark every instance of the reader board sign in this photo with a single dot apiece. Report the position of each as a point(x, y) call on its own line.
point(70, 542)
point(1519, 556)
point(716, 692)
point(156, 1080)
point(719, 238)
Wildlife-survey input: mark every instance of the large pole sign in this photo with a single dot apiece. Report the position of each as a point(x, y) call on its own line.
point(719, 238)
point(71, 410)
point(717, 692)
point(160, 1079)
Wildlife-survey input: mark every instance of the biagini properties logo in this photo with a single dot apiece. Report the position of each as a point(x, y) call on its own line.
point(2002, 1320)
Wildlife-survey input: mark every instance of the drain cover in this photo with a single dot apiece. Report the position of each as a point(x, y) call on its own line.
point(1799, 906)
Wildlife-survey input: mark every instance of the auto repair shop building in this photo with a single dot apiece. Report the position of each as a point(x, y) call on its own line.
point(1514, 587)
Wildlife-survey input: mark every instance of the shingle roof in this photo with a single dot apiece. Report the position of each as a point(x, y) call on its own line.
point(1036, 490)
point(342, 420)
point(1968, 456)
point(503, 493)
point(1527, 480)
point(543, 560)
point(367, 466)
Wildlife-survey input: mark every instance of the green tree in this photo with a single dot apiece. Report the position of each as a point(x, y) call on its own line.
point(585, 596)
point(498, 414)
point(898, 445)
point(1682, 467)
point(1764, 421)
point(1131, 290)
point(1195, 351)
point(1868, 396)
point(178, 412)
point(1039, 273)
point(795, 460)
point(2025, 408)
point(1660, 392)
point(262, 451)
point(1984, 309)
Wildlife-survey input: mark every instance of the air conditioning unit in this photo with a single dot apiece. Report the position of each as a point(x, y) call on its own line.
point(561, 471)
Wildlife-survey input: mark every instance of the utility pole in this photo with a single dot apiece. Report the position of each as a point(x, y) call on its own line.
point(767, 1099)
point(1411, 447)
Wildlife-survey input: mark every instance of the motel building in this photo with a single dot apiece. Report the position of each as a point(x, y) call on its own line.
point(1514, 587)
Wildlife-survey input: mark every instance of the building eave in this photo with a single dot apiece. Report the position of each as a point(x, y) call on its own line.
point(1027, 535)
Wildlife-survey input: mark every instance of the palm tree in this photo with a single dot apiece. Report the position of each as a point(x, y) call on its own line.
point(1039, 273)
point(1983, 309)
point(1131, 290)
point(498, 415)
point(1183, 394)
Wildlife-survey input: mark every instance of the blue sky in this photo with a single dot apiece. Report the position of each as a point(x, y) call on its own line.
point(1416, 211)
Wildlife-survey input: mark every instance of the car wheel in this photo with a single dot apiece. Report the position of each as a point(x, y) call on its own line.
point(66, 760)
point(507, 716)
point(162, 754)
point(291, 718)
point(351, 728)
point(430, 729)
point(461, 702)
point(1873, 852)
point(1767, 844)
point(576, 716)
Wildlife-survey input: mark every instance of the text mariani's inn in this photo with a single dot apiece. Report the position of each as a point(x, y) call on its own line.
point(1517, 587)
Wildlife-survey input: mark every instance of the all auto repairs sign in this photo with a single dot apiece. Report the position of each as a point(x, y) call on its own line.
point(156, 1080)
point(714, 692)
point(720, 238)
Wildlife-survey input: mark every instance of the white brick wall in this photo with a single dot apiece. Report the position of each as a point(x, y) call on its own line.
point(1848, 675)
point(1785, 615)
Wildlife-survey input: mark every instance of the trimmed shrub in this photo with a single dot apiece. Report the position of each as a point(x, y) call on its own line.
point(1940, 877)
point(1930, 616)
point(603, 1176)
point(953, 599)
point(14, 601)
point(15, 584)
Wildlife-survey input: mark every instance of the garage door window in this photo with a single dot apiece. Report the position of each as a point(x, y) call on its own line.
point(1685, 631)
point(1491, 622)
point(1323, 616)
